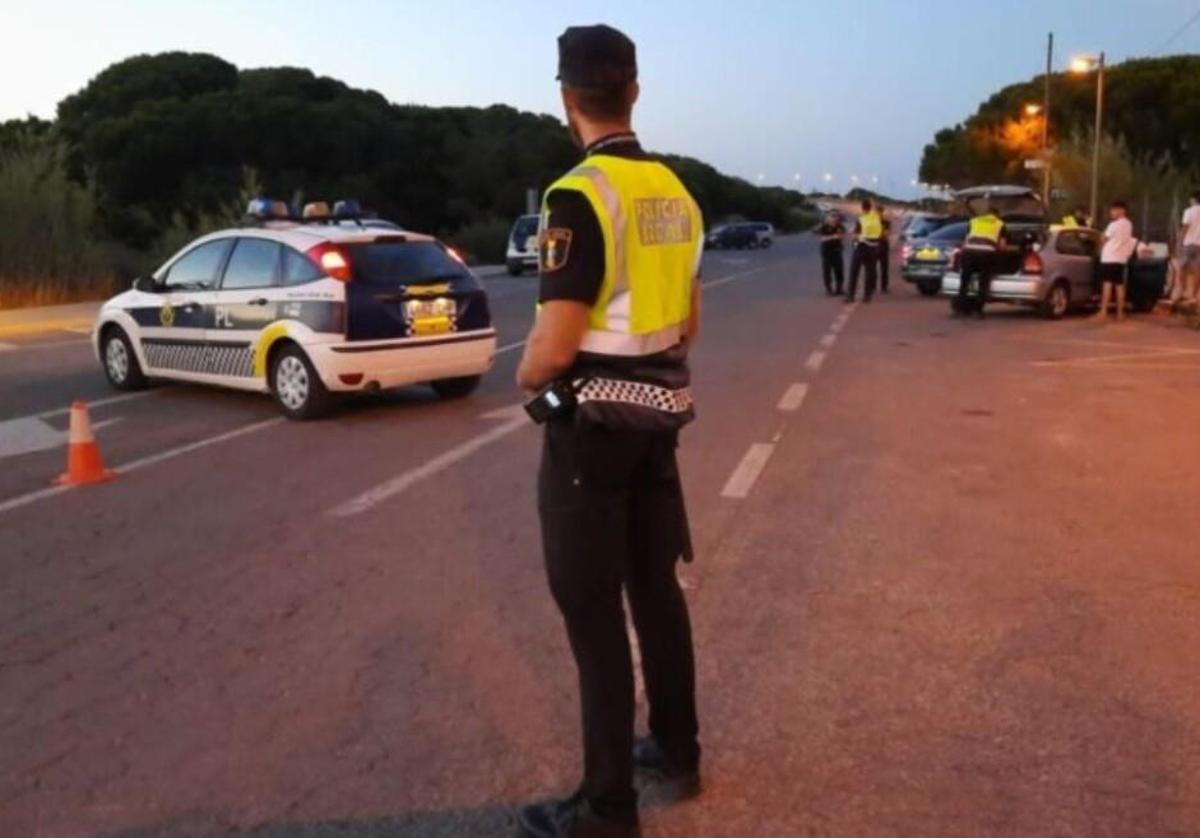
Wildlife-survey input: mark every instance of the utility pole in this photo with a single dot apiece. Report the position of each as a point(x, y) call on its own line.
point(1046, 124)
point(1099, 126)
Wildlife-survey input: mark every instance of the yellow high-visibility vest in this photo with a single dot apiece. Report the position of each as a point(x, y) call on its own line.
point(986, 228)
point(1070, 222)
point(652, 231)
point(870, 225)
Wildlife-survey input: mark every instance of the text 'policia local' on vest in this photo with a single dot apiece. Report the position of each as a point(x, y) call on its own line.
point(632, 369)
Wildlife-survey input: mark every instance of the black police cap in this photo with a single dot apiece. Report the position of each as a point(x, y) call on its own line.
point(596, 56)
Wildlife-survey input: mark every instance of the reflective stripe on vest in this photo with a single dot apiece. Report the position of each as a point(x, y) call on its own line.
point(870, 226)
point(652, 232)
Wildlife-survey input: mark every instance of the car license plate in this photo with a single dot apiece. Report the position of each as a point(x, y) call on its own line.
point(929, 254)
point(431, 317)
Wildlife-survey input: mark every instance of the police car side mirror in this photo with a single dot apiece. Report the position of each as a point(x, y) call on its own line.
point(145, 284)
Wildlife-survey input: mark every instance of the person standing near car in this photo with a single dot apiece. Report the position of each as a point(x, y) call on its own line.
point(620, 307)
point(885, 249)
point(1189, 254)
point(867, 232)
point(1078, 218)
point(833, 236)
point(1119, 247)
point(980, 252)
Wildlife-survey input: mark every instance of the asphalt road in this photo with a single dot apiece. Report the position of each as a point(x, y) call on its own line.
point(946, 584)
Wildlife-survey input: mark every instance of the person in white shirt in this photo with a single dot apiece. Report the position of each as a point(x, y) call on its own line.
point(1119, 246)
point(1189, 254)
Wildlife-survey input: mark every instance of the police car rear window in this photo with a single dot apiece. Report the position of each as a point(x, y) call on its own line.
point(388, 263)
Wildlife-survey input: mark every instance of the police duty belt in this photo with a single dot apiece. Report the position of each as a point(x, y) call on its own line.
point(634, 393)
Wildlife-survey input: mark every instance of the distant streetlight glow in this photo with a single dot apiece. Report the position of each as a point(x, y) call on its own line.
point(1084, 63)
point(1032, 109)
point(829, 177)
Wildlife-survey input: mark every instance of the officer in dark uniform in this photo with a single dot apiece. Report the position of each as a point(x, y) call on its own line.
point(865, 256)
point(979, 260)
point(620, 248)
point(833, 235)
point(885, 250)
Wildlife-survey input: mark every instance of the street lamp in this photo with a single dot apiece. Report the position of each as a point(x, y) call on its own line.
point(1032, 109)
point(1086, 64)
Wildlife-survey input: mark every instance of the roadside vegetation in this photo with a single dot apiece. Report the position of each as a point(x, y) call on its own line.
point(1150, 148)
point(157, 149)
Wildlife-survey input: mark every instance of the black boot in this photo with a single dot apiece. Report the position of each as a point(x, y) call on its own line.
point(675, 780)
point(574, 817)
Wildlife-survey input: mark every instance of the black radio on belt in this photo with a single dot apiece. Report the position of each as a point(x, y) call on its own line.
point(557, 398)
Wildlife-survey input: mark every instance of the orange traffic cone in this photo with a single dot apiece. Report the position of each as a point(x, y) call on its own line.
point(83, 454)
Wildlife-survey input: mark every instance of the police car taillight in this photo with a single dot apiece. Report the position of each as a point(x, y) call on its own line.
point(1032, 264)
point(331, 260)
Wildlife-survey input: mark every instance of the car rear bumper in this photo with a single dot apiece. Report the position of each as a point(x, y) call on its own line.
point(526, 259)
point(922, 273)
point(1012, 289)
point(395, 363)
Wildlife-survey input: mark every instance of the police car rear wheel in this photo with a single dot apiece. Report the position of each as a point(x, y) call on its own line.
point(456, 388)
point(120, 363)
point(297, 388)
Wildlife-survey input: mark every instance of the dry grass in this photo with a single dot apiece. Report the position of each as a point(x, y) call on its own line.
point(18, 293)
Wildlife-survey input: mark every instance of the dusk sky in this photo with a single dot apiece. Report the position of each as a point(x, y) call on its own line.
point(758, 87)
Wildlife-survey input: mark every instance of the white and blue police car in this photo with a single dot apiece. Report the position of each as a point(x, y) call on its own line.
point(303, 308)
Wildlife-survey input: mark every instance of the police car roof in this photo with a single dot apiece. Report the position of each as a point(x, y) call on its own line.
point(302, 236)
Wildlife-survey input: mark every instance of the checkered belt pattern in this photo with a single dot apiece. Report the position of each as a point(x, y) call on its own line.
point(636, 393)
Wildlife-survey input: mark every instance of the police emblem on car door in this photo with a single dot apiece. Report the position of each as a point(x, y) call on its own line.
point(173, 333)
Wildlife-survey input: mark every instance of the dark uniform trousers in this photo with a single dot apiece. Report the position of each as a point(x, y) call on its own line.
point(885, 255)
point(833, 267)
point(612, 515)
point(865, 258)
point(980, 263)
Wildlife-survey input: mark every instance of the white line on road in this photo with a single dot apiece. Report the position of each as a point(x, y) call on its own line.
point(734, 277)
point(815, 360)
point(515, 420)
point(829, 340)
point(793, 397)
point(171, 453)
point(25, 500)
point(31, 347)
point(124, 397)
point(744, 476)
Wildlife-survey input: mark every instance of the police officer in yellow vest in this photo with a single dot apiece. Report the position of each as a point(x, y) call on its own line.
point(985, 239)
point(868, 238)
point(1077, 218)
point(620, 247)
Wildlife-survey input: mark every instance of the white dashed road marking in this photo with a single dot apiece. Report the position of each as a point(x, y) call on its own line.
point(815, 360)
point(24, 500)
point(747, 473)
point(793, 397)
point(829, 340)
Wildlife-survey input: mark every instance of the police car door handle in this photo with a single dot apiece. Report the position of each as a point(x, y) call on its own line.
point(258, 301)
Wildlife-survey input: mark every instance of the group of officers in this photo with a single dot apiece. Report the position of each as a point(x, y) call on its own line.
point(871, 253)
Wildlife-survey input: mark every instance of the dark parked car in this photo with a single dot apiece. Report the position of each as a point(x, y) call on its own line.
point(925, 261)
point(739, 236)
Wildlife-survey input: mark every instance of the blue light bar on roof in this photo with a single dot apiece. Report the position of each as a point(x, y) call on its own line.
point(267, 209)
point(346, 209)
